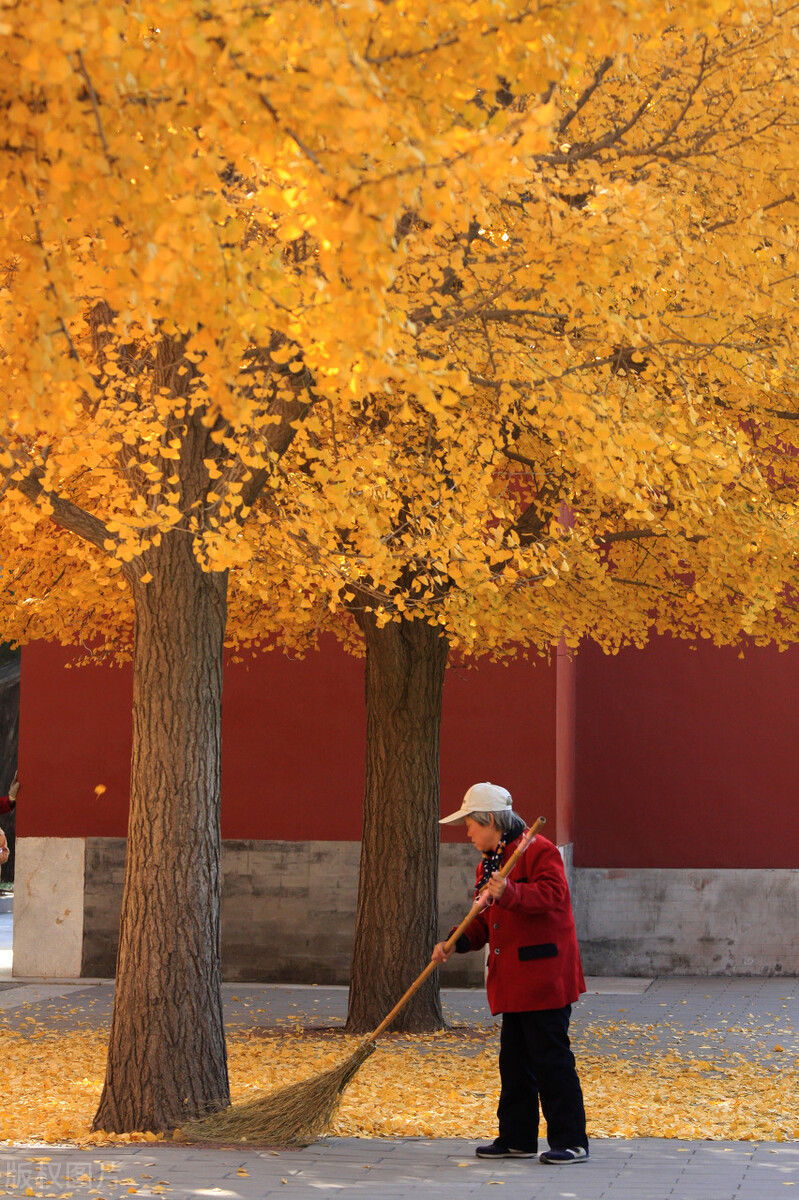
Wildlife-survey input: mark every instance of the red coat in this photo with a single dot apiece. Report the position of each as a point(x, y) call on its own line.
point(533, 959)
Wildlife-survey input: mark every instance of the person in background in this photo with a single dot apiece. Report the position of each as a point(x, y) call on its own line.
point(534, 977)
point(8, 806)
point(8, 803)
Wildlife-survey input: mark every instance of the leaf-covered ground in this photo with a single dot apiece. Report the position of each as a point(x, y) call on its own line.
point(442, 1085)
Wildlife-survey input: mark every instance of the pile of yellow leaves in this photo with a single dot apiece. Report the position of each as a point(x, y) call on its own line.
point(429, 1086)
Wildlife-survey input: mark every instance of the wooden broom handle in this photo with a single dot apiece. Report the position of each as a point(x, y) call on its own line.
point(465, 923)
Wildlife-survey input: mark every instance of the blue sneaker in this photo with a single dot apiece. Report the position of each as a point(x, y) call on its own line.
point(559, 1158)
point(498, 1149)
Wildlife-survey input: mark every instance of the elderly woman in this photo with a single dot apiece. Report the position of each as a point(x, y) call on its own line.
point(534, 977)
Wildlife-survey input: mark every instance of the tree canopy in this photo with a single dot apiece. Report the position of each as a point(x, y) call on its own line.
point(613, 448)
point(537, 334)
point(543, 271)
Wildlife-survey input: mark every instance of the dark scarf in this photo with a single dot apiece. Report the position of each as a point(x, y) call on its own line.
point(492, 859)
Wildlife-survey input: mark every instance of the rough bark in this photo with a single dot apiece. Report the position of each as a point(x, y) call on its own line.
point(167, 1060)
point(397, 917)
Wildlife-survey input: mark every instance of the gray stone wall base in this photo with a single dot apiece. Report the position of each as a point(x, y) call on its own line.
point(288, 909)
point(288, 913)
point(102, 905)
point(687, 922)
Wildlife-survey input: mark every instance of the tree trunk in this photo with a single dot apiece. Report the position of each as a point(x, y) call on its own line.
point(167, 1060)
point(397, 921)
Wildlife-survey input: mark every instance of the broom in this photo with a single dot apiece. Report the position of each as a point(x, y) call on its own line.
point(297, 1114)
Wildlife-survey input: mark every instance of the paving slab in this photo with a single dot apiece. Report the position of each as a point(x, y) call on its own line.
point(378, 1169)
point(705, 1018)
point(702, 1017)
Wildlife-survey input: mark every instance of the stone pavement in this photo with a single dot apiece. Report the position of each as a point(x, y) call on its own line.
point(704, 1017)
point(646, 1169)
point(6, 920)
point(744, 1014)
point(709, 1017)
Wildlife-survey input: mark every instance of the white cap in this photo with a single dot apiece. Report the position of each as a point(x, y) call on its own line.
point(481, 797)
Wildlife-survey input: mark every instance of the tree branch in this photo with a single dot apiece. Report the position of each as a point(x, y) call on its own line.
point(295, 137)
point(96, 107)
point(292, 409)
point(637, 535)
point(66, 514)
point(448, 39)
point(600, 72)
point(787, 199)
point(628, 535)
point(62, 325)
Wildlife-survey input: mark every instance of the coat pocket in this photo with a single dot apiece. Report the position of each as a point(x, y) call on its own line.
point(544, 950)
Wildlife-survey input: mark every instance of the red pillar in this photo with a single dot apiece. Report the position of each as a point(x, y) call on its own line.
point(565, 704)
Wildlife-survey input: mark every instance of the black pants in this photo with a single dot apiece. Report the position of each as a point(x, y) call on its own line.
point(535, 1061)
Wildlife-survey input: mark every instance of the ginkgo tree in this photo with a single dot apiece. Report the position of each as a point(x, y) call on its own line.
point(290, 278)
point(619, 457)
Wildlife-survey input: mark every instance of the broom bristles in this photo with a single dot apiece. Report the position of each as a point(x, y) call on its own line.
point(294, 1115)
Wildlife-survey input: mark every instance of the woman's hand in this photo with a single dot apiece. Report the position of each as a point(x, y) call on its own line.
point(496, 886)
point(5, 853)
point(441, 954)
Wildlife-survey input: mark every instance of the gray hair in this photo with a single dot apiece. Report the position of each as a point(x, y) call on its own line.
point(506, 819)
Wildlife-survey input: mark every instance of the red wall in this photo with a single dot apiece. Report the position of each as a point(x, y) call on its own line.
point(679, 757)
point(499, 724)
point(565, 747)
point(293, 744)
point(687, 757)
